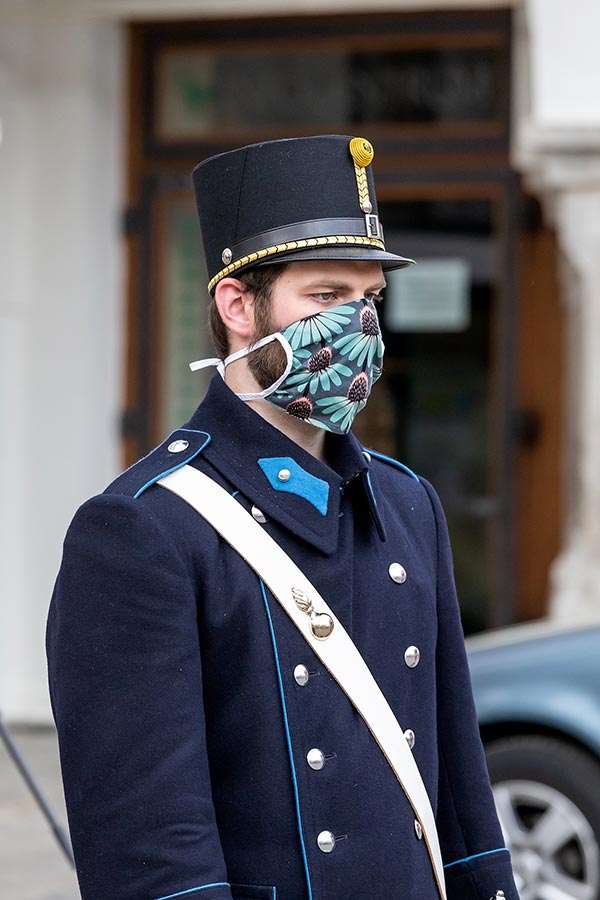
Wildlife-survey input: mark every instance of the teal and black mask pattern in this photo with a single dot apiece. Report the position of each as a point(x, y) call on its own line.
point(333, 358)
point(337, 356)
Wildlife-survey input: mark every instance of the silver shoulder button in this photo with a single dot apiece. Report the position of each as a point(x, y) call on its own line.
point(178, 446)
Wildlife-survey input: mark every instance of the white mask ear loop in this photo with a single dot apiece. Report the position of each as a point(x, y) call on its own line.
point(205, 363)
point(260, 395)
point(221, 364)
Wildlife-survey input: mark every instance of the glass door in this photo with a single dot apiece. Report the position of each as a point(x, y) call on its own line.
point(437, 411)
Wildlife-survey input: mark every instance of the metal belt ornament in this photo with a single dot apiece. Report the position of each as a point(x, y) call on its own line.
point(322, 631)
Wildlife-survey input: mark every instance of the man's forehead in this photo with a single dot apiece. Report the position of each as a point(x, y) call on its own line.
point(336, 273)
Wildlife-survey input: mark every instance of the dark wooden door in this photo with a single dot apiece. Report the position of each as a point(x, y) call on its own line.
point(463, 396)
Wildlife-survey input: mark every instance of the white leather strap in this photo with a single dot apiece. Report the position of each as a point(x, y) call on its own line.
point(308, 611)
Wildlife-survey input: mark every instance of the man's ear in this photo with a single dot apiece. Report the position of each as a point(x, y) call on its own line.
point(236, 308)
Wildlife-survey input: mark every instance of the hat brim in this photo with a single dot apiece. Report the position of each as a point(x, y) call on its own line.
point(389, 261)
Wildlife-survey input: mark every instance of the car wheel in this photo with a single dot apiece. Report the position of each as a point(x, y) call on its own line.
point(547, 795)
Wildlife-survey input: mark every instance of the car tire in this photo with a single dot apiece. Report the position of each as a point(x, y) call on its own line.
point(548, 798)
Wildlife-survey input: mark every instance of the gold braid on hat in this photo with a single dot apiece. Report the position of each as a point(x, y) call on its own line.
point(258, 255)
point(361, 151)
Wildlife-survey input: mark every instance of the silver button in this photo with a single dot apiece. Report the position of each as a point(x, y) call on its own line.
point(226, 256)
point(418, 830)
point(178, 446)
point(367, 455)
point(284, 474)
point(397, 573)
point(316, 759)
point(412, 656)
point(301, 675)
point(410, 738)
point(258, 515)
point(326, 841)
point(499, 895)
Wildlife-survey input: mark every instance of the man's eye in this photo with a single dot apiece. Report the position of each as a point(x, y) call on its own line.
point(376, 298)
point(326, 297)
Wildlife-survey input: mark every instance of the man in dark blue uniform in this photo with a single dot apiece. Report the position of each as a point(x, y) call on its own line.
point(206, 750)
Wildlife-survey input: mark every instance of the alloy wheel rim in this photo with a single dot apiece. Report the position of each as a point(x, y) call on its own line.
point(555, 853)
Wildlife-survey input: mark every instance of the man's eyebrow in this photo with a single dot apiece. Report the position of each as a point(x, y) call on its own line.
point(340, 286)
point(328, 285)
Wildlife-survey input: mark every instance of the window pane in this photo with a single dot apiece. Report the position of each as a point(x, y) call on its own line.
point(202, 93)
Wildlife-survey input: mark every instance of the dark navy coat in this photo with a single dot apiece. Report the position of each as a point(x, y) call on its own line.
point(183, 729)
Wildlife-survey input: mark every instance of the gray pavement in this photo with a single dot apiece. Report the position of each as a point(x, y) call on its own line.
point(32, 866)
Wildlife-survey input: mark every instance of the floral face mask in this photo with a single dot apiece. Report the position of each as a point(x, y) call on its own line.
point(333, 359)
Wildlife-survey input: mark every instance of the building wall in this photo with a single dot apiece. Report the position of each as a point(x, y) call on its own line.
point(62, 159)
point(557, 146)
point(60, 315)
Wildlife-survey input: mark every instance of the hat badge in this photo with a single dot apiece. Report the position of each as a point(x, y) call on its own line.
point(226, 256)
point(361, 151)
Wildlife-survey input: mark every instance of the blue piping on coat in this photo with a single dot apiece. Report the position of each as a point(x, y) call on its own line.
point(476, 856)
point(203, 887)
point(288, 738)
point(394, 462)
point(371, 491)
point(183, 462)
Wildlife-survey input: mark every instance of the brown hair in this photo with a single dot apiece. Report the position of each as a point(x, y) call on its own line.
point(259, 282)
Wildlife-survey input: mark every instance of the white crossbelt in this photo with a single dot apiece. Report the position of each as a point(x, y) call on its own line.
point(322, 631)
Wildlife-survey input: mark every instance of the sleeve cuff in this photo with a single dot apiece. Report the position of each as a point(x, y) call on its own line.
point(222, 890)
point(216, 891)
point(481, 877)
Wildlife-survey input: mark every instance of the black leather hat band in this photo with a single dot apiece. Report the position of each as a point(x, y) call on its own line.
point(303, 244)
point(311, 229)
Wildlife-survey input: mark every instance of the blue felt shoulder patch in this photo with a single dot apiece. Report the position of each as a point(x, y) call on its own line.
point(180, 448)
point(300, 482)
point(393, 462)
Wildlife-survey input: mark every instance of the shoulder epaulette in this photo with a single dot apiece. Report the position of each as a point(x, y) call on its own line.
point(394, 463)
point(178, 449)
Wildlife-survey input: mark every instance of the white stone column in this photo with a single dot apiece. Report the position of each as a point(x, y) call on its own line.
point(575, 589)
point(61, 295)
point(557, 147)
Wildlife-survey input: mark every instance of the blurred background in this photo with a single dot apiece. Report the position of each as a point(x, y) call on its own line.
point(485, 117)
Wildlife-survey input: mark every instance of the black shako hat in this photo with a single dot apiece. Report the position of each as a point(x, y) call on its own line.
point(292, 199)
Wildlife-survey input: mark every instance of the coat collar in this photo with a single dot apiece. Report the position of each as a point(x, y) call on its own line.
point(250, 453)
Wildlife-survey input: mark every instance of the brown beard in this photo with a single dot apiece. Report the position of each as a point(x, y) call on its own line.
point(267, 363)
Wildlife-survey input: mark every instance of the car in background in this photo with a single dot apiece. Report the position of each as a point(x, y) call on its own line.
point(537, 692)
